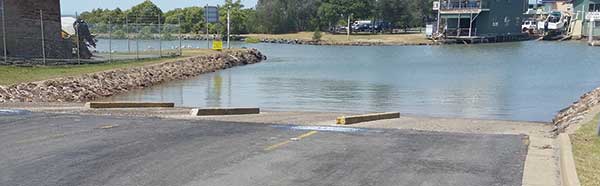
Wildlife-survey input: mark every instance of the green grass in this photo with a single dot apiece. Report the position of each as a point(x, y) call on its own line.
point(10, 75)
point(586, 149)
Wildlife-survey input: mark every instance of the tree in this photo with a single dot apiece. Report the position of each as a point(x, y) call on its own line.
point(331, 11)
point(145, 13)
point(192, 19)
point(238, 17)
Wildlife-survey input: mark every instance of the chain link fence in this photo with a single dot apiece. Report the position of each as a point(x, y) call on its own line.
point(45, 38)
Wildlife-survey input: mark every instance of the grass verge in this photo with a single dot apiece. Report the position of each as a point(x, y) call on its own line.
point(400, 39)
point(586, 149)
point(10, 75)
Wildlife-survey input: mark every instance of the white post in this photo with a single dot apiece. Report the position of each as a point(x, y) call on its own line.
point(4, 33)
point(470, 24)
point(438, 20)
point(591, 34)
point(43, 36)
point(349, 28)
point(228, 27)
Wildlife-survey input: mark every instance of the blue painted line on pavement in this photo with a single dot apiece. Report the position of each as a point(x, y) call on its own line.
point(6, 112)
point(324, 128)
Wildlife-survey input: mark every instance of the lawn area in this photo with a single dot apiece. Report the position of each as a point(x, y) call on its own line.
point(12, 75)
point(586, 148)
point(410, 38)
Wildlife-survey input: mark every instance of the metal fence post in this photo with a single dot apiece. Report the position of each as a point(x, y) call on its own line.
point(127, 33)
point(78, 41)
point(110, 27)
point(137, 40)
point(4, 34)
point(159, 38)
point(43, 36)
point(180, 37)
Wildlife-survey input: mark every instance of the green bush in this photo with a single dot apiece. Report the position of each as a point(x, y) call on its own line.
point(252, 40)
point(317, 35)
point(119, 34)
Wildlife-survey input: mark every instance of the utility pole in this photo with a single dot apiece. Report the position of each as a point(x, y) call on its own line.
point(228, 27)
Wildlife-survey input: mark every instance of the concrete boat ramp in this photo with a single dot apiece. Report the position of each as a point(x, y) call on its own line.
point(67, 144)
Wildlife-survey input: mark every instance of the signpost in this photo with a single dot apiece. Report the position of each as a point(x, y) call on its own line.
point(211, 15)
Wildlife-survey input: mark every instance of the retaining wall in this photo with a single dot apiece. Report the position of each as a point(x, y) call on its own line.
point(104, 84)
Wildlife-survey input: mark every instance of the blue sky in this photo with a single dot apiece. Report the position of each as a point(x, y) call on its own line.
point(69, 7)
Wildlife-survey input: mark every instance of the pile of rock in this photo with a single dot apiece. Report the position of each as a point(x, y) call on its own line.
point(103, 84)
point(576, 112)
point(355, 43)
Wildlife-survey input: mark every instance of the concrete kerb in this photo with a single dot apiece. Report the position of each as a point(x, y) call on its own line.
point(348, 120)
point(97, 105)
point(223, 111)
point(568, 172)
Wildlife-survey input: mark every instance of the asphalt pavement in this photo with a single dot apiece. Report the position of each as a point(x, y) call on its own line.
point(69, 149)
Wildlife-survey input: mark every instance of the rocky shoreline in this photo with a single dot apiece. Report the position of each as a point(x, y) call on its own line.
point(328, 43)
point(575, 113)
point(105, 84)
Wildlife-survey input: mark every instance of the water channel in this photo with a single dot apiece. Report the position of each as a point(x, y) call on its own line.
point(528, 81)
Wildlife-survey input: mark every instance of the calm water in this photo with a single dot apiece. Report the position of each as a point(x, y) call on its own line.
point(510, 81)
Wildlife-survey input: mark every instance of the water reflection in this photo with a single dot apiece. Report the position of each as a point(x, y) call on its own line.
point(511, 81)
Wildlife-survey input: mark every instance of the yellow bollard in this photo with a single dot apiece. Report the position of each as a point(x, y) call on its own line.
point(217, 45)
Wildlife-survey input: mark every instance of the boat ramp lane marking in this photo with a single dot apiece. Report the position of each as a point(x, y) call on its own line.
point(325, 128)
point(5, 112)
point(305, 135)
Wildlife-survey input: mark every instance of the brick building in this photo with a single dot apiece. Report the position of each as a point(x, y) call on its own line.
point(23, 29)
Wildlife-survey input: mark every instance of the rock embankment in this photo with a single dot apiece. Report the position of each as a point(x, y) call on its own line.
point(104, 84)
point(577, 111)
point(355, 43)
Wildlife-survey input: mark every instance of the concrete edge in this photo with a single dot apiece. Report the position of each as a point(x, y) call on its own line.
point(568, 172)
point(348, 120)
point(223, 111)
point(97, 105)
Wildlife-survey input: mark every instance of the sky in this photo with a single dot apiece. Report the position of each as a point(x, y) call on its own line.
point(69, 7)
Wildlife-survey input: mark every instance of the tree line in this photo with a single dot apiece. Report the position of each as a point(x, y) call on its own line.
point(269, 16)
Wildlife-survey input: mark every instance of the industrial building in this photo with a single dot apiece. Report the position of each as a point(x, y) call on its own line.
point(481, 19)
point(31, 28)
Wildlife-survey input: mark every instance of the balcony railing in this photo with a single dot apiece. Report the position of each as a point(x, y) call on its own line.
point(460, 5)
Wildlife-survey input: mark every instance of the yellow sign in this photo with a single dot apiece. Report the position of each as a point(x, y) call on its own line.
point(218, 45)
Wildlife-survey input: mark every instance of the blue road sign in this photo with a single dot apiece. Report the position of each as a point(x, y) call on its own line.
point(211, 14)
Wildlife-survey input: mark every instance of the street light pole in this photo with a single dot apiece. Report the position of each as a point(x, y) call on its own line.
point(228, 27)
